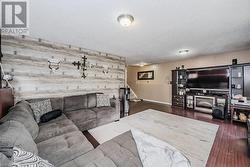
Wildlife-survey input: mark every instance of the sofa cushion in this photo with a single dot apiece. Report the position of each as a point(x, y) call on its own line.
point(106, 115)
point(122, 150)
point(81, 115)
point(84, 119)
point(40, 108)
point(22, 113)
point(75, 102)
point(118, 152)
point(13, 133)
point(86, 125)
point(91, 100)
point(56, 103)
point(55, 127)
point(4, 161)
point(64, 148)
point(94, 158)
point(102, 112)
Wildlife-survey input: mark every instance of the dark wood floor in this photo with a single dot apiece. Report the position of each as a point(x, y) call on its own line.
point(230, 145)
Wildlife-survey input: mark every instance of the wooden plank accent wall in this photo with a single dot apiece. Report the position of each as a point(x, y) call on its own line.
point(27, 59)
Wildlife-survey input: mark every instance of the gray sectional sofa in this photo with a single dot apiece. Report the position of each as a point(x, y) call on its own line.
point(82, 110)
point(61, 141)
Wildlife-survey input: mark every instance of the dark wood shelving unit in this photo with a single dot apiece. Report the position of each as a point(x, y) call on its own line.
point(179, 79)
point(239, 85)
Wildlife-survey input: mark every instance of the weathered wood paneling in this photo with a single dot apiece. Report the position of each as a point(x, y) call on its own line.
point(27, 59)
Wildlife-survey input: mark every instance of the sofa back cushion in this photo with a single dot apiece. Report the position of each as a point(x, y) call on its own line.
point(91, 100)
point(22, 113)
point(56, 103)
point(75, 102)
point(13, 133)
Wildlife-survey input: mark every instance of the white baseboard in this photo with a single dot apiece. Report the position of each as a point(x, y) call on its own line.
point(157, 101)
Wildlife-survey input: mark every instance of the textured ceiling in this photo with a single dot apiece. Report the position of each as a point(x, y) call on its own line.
point(161, 27)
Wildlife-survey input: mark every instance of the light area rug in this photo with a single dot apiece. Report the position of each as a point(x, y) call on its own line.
point(192, 138)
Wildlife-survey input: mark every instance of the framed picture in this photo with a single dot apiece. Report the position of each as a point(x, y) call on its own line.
point(145, 75)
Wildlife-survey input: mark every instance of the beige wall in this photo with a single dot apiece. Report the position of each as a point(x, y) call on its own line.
point(159, 89)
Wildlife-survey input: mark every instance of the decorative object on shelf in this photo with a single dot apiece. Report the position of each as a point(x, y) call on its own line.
point(243, 100)
point(190, 101)
point(54, 64)
point(181, 92)
point(6, 77)
point(145, 75)
point(238, 86)
point(235, 117)
point(81, 65)
point(243, 117)
point(239, 98)
point(239, 74)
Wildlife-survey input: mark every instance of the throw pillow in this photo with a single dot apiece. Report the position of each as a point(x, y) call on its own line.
point(50, 115)
point(102, 100)
point(40, 108)
point(27, 159)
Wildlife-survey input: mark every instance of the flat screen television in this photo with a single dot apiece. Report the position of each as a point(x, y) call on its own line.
point(208, 78)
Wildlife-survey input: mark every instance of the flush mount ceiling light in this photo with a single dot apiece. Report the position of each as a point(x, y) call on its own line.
point(125, 20)
point(141, 64)
point(183, 52)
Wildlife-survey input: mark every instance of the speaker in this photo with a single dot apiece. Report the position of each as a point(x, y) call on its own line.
point(219, 112)
point(234, 61)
